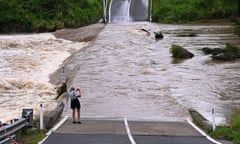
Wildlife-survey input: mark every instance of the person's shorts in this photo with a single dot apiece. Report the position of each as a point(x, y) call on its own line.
point(75, 104)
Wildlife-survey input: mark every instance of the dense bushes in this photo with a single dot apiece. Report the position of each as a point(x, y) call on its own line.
point(189, 10)
point(47, 15)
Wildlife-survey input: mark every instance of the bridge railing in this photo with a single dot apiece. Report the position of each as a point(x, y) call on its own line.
point(9, 132)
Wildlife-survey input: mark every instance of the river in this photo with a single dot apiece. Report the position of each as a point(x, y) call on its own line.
point(124, 73)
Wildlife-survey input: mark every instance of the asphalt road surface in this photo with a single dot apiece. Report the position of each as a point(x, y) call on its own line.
point(126, 132)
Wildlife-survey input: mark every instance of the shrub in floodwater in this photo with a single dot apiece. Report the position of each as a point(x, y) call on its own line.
point(237, 27)
point(230, 52)
point(60, 89)
point(238, 21)
point(180, 52)
point(207, 50)
point(158, 35)
point(186, 34)
point(237, 30)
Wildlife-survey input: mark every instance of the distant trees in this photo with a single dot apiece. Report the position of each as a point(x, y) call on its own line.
point(179, 11)
point(47, 15)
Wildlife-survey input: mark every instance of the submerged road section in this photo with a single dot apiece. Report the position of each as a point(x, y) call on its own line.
point(104, 131)
point(128, 10)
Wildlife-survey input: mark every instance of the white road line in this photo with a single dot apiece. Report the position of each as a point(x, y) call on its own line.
point(202, 132)
point(128, 131)
point(53, 129)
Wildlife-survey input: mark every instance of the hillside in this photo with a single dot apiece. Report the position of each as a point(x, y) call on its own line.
point(47, 15)
point(181, 11)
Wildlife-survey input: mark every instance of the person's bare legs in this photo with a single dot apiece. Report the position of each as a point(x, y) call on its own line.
point(78, 114)
point(73, 115)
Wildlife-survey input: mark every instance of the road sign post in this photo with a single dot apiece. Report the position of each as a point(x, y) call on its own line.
point(41, 116)
point(213, 120)
point(63, 75)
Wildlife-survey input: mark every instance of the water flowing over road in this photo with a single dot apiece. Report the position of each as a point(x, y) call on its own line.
point(128, 10)
point(119, 11)
point(126, 73)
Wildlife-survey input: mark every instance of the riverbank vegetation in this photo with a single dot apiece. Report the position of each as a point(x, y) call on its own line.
point(47, 15)
point(50, 15)
point(182, 11)
point(231, 132)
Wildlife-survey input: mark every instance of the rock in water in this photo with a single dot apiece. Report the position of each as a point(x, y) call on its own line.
point(158, 35)
point(180, 52)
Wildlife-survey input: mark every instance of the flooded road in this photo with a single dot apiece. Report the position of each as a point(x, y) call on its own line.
point(124, 73)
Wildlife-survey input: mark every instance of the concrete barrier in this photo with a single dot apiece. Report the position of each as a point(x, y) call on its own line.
point(200, 121)
point(52, 117)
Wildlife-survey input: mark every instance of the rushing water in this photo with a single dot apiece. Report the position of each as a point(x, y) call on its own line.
point(124, 73)
point(26, 62)
point(119, 11)
point(127, 73)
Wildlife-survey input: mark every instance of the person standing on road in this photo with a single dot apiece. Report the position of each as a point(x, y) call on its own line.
point(75, 104)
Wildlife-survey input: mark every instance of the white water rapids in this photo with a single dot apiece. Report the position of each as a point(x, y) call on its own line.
point(26, 62)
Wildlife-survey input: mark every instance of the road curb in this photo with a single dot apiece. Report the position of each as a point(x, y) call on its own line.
point(202, 132)
point(53, 129)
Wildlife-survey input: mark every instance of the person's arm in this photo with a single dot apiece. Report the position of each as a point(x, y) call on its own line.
point(79, 93)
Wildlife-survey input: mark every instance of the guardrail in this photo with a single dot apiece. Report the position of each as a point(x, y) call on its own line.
point(9, 132)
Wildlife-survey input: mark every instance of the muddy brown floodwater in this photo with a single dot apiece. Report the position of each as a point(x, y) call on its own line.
point(124, 72)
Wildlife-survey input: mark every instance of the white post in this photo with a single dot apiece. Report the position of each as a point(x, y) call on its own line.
point(41, 116)
point(104, 11)
point(151, 10)
point(63, 75)
point(213, 120)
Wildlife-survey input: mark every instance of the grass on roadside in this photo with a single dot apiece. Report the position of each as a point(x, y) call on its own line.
point(32, 136)
point(231, 132)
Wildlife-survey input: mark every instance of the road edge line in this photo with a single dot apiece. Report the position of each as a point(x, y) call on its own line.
point(128, 131)
point(53, 129)
point(202, 132)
